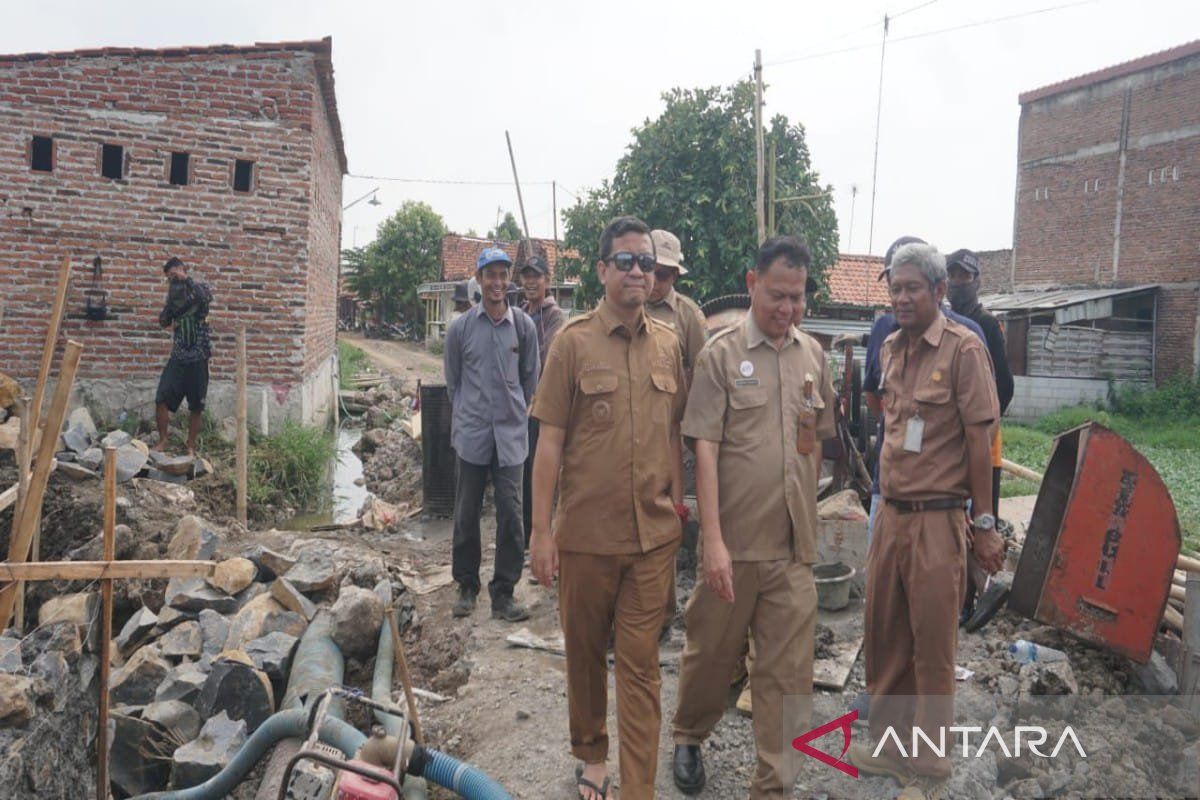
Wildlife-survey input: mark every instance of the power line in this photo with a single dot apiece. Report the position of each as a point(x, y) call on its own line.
point(868, 26)
point(443, 181)
point(923, 34)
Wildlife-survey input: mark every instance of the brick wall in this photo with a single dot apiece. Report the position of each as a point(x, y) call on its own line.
point(256, 249)
point(995, 270)
point(1069, 189)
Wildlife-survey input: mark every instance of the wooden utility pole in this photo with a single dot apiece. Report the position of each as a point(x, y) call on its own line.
point(520, 201)
point(771, 193)
point(243, 436)
point(554, 210)
point(106, 602)
point(758, 148)
point(878, 117)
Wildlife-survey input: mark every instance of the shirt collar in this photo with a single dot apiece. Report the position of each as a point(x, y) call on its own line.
point(932, 335)
point(669, 299)
point(755, 336)
point(610, 321)
point(479, 311)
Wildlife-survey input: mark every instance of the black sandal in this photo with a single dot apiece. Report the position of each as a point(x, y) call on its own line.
point(583, 782)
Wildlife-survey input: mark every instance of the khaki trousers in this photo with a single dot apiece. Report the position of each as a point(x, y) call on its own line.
point(916, 578)
point(625, 595)
point(777, 602)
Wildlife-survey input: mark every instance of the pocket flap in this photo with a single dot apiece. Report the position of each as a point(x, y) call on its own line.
point(598, 382)
point(663, 382)
point(936, 394)
point(748, 397)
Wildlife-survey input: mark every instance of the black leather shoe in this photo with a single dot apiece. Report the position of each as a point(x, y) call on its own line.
point(507, 609)
point(687, 767)
point(466, 601)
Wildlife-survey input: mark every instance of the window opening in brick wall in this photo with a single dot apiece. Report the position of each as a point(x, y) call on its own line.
point(243, 175)
point(180, 169)
point(112, 161)
point(1174, 173)
point(41, 154)
point(1091, 186)
point(1041, 194)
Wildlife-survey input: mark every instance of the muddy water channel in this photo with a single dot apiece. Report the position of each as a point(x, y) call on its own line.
point(346, 494)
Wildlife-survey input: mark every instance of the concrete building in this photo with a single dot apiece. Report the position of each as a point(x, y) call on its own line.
point(229, 157)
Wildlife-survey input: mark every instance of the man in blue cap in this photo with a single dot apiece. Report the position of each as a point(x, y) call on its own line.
point(491, 363)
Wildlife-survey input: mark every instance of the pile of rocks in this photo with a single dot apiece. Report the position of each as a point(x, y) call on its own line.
point(391, 465)
point(81, 456)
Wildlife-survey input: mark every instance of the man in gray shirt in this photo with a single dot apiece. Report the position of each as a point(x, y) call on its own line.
point(491, 362)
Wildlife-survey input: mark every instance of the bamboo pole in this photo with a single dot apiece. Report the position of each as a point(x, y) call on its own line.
point(56, 315)
point(103, 570)
point(1024, 473)
point(23, 527)
point(243, 437)
point(1173, 619)
point(405, 677)
point(24, 455)
point(106, 601)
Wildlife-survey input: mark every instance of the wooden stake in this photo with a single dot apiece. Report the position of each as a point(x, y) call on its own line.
point(106, 588)
point(103, 570)
point(22, 535)
point(56, 315)
point(759, 210)
point(243, 436)
point(405, 678)
point(24, 454)
point(771, 191)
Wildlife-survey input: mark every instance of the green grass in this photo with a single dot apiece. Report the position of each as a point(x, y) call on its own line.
point(351, 361)
point(290, 467)
point(1170, 442)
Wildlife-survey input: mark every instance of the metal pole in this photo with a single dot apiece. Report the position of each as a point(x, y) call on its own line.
point(878, 117)
point(554, 208)
point(850, 234)
point(520, 201)
point(758, 148)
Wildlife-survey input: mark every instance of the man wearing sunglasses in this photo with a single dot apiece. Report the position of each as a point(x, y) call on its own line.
point(667, 305)
point(609, 404)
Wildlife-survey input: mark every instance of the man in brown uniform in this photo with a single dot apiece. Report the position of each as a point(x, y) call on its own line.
point(940, 408)
point(667, 305)
point(761, 402)
point(609, 403)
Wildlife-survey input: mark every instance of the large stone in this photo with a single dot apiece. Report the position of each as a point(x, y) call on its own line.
point(81, 610)
point(248, 594)
point(290, 598)
point(93, 549)
point(169, 617)
point(1047, 689)
point(136, 630)
point(172, 465)
point(82, 418)
point(184, 640)
point(193, 540)
point(214, 631)
point(236, 687)
point(233, 575)
point(273, 655)
point(193, 594)
point(92, 458)
point(261, 616)
point(209, 753)
point(10, 655)
point(16, 699)
point(357, 615)
point(270, 563)
point(76, 439)
point(314, 571)
point(176, 717)
point(130, 462)
point(76, 472)
point(165, 477)
point(117, 439)
point(134, 766)
point(183, 683)
point(135, 683)
point(1156, 676)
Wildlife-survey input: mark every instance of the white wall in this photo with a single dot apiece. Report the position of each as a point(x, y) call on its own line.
point(1036, 397)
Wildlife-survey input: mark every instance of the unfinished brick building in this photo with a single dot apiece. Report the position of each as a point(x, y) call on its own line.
point(230, 158)
point(1108, 208)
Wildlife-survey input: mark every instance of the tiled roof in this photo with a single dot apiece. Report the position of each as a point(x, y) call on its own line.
point(853, 281)
point(459, 254)
point(1115, 71)
point(322, 48)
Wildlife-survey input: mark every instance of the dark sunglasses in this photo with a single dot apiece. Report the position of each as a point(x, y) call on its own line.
point(624, 261)
point(663, 273)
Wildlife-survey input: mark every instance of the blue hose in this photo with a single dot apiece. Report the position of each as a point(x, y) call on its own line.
point(467, 781)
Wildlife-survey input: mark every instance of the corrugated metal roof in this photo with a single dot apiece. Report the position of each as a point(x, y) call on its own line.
point(1068, 305)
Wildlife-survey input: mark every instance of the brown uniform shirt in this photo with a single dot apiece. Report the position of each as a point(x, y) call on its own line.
point(618, 394)
point(946, 380)
point(686, 318)
point(749, 397)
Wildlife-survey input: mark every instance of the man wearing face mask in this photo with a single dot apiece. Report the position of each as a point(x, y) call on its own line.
point(186, 372)
point(963, 293)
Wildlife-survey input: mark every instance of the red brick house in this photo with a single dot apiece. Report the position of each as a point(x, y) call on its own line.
point(229, 157)
point(1108, 198)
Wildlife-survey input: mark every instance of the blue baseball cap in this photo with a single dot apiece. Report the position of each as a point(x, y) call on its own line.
point(492, 255)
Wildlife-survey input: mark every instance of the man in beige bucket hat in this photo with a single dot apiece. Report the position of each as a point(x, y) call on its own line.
point(669, 306)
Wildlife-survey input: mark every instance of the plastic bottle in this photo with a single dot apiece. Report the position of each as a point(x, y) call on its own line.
point(1025, 652)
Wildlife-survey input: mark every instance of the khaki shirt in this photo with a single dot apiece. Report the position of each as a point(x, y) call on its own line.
point(749, 397)
point(946, 380)
point(683, 315)
point(618, 395)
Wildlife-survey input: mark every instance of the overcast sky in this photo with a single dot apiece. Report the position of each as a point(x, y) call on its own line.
point(426, 90)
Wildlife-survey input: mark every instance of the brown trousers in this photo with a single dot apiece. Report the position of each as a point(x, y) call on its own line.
point(625, 595)
point(777, 602)
point(916, 579)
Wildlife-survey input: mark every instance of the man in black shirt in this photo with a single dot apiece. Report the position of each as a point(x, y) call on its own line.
point(186, 372)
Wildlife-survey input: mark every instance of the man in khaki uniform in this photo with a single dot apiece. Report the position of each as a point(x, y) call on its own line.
point(669, 306)
point(609, 404)
point(940, 407)
point(761, 402)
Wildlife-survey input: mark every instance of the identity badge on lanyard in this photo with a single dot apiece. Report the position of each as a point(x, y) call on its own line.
point(914, 432)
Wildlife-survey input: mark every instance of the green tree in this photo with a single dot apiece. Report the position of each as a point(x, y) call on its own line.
point(406, 253)
point(692, 171)
point(508, 230)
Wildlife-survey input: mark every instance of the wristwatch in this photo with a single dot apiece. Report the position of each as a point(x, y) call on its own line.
point(984, 522)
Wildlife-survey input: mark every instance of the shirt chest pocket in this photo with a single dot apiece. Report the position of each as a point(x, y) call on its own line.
point(747, 420)
point(598, 389)
point(933, 401)
point(662, 396)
